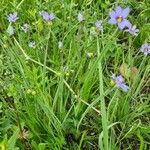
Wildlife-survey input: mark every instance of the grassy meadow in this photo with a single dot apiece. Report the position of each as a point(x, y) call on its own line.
point(74, 75)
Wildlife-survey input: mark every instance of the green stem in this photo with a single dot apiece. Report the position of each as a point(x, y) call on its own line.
point(57, 73)
point(45, 60)
point(102, 100)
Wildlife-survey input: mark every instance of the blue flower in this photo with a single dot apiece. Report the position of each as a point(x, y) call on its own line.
point(145, 48)
point(46, 16)
point(119, 17)
point(25, 27)
point(51, 16)
point(98, 25)
point(132, 30)
point(119, 81)
point(12, 17)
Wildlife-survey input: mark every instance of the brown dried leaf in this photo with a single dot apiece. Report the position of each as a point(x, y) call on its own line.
point(124, 70)
point(134, 73)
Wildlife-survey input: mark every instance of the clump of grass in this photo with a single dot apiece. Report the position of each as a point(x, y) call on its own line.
point(74, 75)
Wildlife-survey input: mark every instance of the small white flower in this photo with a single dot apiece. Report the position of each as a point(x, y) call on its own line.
point(145, 48)
point(60, 45)
point(11, 30)
point(25, 27)
point(80, 17)
point(32, 44)
point(90, 55)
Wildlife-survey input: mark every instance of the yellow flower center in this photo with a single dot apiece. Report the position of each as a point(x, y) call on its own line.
point(50, 23)
point(112, 83)
point(119, 19)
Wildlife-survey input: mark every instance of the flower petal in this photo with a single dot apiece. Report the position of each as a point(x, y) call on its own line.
point(134, 27)
point(148, 49)
point(51, 16)
point(145, 53)
point(124, 87)
point(144, 46)
point(112, 14)
point(120, 79)
point(118, 11)
point(125, 12)
point(127, 23)
point(127, 30)
point(112, 21)
point(121, 25)
point(113, 76)
point(137, 30)
point(15, 14)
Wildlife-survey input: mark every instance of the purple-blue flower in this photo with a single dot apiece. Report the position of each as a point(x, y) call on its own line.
point(98, 25)
point(12, 17)
point(118, 16)
point(51, 16)
point(145, 48)
point(119, 81)
point(25, 27)
point(132, 30)
point(46, 16)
